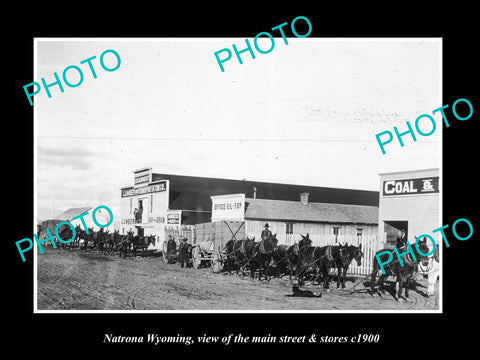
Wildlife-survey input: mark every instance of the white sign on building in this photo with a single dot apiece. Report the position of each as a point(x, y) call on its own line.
point(228, 207)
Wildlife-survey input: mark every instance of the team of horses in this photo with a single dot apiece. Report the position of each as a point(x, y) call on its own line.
point(299, 261)
point(302, 261)
point(404, 270)
point(266, 258)
point(106, 242)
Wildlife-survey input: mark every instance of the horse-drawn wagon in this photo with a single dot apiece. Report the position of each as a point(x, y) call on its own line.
point(210, 239)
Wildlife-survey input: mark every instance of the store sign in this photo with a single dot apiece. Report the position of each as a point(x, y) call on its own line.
point(144, 189)
point(158, 219)
point(418, 186)
point(228, 207)
point(142, 179)
point(173, 219)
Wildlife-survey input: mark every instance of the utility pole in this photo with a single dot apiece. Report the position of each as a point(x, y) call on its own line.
point(53, 202)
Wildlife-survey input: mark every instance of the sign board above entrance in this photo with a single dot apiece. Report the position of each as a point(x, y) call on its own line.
point(161, 186)
point(417, 186)
point(228, 207)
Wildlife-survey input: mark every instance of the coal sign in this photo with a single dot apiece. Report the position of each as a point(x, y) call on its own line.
point(410, 186)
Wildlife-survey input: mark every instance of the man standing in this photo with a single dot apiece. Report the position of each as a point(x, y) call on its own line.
point(266, 234)
point(139, 213)
point(402, 240)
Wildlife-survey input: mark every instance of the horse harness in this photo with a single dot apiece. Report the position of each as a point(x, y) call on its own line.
point(328, 253)
point(243, 250)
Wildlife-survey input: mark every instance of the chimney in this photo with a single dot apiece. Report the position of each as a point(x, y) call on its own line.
point(304, 198)
point(254, 192)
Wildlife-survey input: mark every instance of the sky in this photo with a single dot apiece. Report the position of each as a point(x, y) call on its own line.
point(305, 113)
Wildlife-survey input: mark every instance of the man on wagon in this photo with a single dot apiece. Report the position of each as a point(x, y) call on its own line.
point(266, 234)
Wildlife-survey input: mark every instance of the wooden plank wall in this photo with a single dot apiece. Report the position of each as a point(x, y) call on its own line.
point(219, 232)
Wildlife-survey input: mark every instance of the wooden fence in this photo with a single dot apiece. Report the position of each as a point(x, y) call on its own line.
point(221, 231)
point(369, 248)
point(184, 231)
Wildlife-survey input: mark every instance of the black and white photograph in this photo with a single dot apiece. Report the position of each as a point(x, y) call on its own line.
point(209, 181)
point(245, 189)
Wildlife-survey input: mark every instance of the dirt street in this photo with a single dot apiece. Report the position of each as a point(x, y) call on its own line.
point(75, 280)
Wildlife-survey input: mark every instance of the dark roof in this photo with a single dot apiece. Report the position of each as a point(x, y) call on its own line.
point(193, 193)
point(312, 212)
point(71, 213)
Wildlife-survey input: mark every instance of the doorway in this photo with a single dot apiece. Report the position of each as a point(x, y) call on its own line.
point(143, 210)
point(392, 229)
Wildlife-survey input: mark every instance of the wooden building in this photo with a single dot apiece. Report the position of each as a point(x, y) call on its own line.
point(174, 204)
point(325, 223)
point(409, 200)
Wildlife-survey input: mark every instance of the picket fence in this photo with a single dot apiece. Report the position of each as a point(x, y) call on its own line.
point(369, 248)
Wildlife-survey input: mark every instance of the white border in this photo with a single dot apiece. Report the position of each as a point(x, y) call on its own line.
point(35, 288)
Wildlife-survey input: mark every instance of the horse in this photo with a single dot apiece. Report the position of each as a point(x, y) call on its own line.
point(142, 242)
point(65, 234)
point(81, 235)
point(100, 239)
point(295, 254)
point(125, 244)
point(238, 253)
point(184, 256)
point(432, 270)
point(320, 259)
point(112, 241)
point(352, 253)
point(87, 237)
point(285, 258)
point(340, 256)
point(280, 260)
point(262, 255)
point(404, 273)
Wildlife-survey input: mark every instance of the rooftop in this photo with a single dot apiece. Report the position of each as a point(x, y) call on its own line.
point(191, 192)
point(266, 209)
point(71, 213)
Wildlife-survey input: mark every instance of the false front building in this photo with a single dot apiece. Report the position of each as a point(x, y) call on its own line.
point(163, 204)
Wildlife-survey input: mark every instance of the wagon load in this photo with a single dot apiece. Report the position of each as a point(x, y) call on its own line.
point(202, 253)
point(210, 242)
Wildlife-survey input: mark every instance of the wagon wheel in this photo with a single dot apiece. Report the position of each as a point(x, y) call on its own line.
point(217, 263)
point(197, 258)
point(165, 254)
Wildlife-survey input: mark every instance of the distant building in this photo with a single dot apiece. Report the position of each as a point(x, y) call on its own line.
point(159, 203)
point(409, 200)
point(325, 224)
point(290, 218)
point(101, 216)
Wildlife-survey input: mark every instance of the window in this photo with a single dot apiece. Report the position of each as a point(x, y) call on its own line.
point(336, 230)
point(131, 205)
point(151, 203)
point(359, 232)
point(289, 228)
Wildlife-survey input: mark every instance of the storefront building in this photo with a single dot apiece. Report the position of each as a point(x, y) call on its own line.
point(409, 200)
